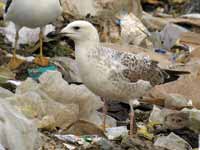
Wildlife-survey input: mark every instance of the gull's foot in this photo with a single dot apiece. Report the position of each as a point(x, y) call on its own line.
point(15, 63)
point(42, 61)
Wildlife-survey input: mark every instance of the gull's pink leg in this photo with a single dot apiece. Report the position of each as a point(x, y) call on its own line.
point(133, 128)
point(132, 124)
point(104, 113)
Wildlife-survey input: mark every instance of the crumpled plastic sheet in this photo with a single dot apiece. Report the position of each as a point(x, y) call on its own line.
point(159, 115)
point(94, 7)
point(170, 34)
point(194, 119)
point(16, 131)
point(5, 93)
point(54, 99)
point(172, 142)
point(76, 7)
point(37, 105)
point(58, 89)
point(171, 119)
point(132, 30)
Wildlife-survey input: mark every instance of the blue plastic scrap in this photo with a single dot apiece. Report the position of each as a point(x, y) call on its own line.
point(160, 51)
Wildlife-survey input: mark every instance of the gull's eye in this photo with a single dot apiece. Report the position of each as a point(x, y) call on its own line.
point(76, 28)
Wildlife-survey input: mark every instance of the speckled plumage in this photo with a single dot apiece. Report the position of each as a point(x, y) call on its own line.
point(109, 73)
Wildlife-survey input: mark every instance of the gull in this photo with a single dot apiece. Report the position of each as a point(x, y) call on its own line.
point(31, 14)
point(113, 74)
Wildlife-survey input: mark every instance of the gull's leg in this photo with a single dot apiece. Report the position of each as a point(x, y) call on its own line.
point(104, 113)
point(14, 61)
point(41, 60)
point(133, 128)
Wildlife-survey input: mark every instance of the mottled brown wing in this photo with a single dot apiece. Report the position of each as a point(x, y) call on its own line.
point(129, 67)
point(141, 69)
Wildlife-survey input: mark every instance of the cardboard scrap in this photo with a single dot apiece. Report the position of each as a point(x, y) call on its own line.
point(187, 86)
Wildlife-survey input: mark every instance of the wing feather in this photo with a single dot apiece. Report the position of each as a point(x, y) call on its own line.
point(131, 67)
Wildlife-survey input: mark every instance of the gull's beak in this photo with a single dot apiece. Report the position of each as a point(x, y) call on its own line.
point(65, 31)
point(62, 34)
point(56, 34)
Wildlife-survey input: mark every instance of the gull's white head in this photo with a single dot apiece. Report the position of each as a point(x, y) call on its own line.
point(81, 31)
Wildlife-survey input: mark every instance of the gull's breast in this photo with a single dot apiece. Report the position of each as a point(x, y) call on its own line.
point(95, 75)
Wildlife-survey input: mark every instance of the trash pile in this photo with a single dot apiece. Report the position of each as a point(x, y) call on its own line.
point(49, 108)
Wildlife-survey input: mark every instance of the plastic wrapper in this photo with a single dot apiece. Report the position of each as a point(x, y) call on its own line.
point(115, 132)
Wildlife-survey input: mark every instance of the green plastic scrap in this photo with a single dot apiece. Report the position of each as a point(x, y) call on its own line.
point(37, 72)
point(88, 138)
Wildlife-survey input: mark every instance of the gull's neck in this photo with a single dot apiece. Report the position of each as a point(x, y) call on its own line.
point(87, 44)
point(83, 50)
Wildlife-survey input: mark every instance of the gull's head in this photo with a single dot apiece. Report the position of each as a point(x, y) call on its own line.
point(81, 31)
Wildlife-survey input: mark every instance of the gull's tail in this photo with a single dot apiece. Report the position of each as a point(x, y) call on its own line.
point(172, 75)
